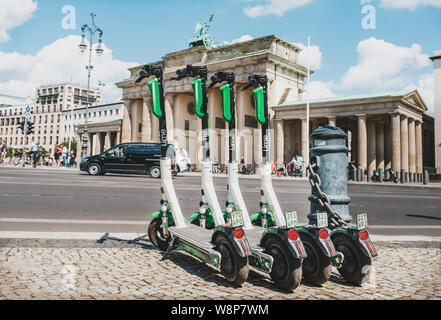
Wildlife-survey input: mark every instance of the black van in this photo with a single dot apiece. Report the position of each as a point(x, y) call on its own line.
point(133, 157)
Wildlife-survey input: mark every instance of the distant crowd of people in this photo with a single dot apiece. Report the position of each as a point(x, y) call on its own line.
point(62, 156)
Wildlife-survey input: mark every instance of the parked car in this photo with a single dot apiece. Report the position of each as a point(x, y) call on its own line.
point(133, 157)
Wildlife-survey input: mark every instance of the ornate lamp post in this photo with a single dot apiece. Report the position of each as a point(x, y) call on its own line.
point(92, 29)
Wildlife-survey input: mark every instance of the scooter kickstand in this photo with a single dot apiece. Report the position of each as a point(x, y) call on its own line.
point(171, 246)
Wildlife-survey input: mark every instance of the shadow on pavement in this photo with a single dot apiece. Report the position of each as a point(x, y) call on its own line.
point(146, 244)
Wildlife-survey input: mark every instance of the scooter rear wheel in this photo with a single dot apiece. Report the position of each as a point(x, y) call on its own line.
point(316, 267)
point(356, 265)
point(286, 272)
point(156, 234)
point(234, 267)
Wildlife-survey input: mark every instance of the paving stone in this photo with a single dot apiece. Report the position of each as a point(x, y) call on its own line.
point(117, 271)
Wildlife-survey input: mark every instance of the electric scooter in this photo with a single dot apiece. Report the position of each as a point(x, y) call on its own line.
point(226, 247)
point(319, 252)
point(276, 251)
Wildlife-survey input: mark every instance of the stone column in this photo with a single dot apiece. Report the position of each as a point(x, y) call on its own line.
point(372, 148)
point(126, 133)
point(396, 142)
point(90, 144)
point(332, 121)
point(134, 117)
point(280, 141)
point(178, 124)
point(118, 137)
point(107, 143)
point(387, 145)
point(379, 142)
point(146, 133)
point(362, 141)
point(412, 146)
point(419, 147)
point(404, 144)
point(315, 124)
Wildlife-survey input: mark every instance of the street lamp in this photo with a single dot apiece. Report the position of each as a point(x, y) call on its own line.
point(92, 29)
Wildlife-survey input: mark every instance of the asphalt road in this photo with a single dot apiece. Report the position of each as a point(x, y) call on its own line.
point(70, 201)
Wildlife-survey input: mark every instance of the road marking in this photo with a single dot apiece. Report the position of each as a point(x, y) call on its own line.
point(72, 221)
point(67, 235)
point(404, 227)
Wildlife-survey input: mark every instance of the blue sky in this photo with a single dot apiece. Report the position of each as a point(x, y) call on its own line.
point(348, 59)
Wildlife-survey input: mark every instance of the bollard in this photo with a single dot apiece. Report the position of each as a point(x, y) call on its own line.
point(406, 177)
point(330, 153)
point(368, 176)
point(426, 177)
point(402, 176)
point(354, 174)
point(380, 175)
point(414, 177)
point(410, 177)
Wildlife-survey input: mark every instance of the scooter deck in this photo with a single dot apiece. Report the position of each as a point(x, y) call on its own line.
point(194, 235)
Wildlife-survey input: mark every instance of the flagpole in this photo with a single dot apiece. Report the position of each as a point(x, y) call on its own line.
point(306, 160)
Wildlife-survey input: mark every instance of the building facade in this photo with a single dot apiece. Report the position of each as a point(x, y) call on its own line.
point(385, 130)
point(437, 89)
point(50, 102)
point(271, 56)
point(103, 126)
point(12, 111)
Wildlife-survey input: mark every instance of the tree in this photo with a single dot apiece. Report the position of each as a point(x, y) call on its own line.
point(42, 152)
point(9, 152)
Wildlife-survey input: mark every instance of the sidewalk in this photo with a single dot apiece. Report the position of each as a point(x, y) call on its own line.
point(53, 269)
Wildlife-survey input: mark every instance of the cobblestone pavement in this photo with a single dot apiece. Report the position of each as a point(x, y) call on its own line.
point(44, 269)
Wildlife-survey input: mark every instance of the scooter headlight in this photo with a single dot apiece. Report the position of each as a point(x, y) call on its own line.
point(264, 210)
point(164, 208)
point(202, 210)
point(229, 209)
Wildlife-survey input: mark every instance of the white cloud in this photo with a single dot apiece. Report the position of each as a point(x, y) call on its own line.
point(319, 90)
point(405, 4)
point(61, 61)
point(243, 38)
point(315, 58)
point(383, 65)
point(14, 13)
point(277, 7)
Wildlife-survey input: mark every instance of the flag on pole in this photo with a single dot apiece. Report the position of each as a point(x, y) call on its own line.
point(101, 83)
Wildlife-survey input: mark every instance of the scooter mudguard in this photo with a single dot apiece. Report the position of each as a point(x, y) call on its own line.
point(366, 246)
point(295, 247)
point(326, 245)
point(241, 245)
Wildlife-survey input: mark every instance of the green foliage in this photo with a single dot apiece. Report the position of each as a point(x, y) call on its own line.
point(73, 145)
point(9, 152)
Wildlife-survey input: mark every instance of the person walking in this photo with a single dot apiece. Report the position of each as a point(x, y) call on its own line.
point(64, 155)
point(56, 155)
point(34, 150)
point(3, 149)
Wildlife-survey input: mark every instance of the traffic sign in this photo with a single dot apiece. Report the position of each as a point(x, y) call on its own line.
point(28, 115)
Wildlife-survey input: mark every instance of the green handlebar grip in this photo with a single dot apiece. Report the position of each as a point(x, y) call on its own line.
point(198, 97)
point(154, 91)
point(226, 103)
point(260, 106)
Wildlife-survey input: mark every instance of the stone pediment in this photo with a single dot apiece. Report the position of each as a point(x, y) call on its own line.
point(415, 100)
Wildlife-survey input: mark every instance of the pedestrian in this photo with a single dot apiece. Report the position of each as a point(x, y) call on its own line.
point(3, 149)
point(64, 155)
point(34, 150)
point(56, 155)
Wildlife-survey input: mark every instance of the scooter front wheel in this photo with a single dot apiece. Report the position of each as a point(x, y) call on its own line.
point(286, 271)
point(356, 265)
point(234, 267)
point(316, 267)
point(156, 234)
